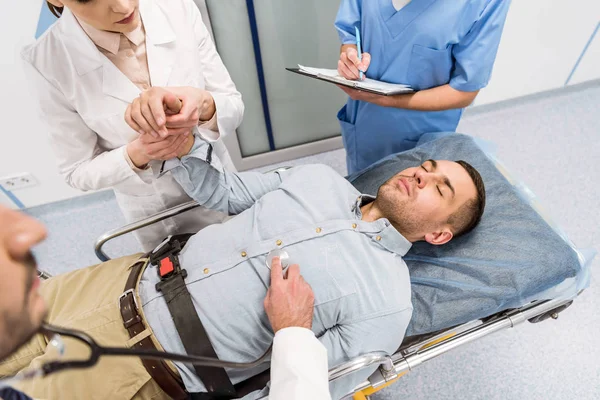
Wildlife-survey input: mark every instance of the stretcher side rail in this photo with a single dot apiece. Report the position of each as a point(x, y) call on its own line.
point(403, 362)
point(115, 233)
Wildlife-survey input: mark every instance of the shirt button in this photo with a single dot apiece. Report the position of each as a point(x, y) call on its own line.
point(145, 87)
point(130, 53)
point(206, 271)
point(244, 254)
point(354, 226)
point(378, 238)
point(318, 230)
point(278, 243)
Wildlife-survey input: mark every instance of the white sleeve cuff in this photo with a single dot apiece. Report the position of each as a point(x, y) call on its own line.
point(211, 125)
point(293, 332)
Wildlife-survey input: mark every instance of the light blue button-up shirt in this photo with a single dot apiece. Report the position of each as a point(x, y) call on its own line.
point(355, 268)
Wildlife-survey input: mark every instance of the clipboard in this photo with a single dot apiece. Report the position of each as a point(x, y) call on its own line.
point(368, 85)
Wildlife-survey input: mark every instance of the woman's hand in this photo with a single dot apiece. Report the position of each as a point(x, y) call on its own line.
point(349, 64)
point(196, 105)
point(147, 113)
point(161, 112)
point(147, 147)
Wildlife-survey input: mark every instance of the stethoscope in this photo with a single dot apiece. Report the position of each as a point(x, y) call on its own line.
point(96, 351)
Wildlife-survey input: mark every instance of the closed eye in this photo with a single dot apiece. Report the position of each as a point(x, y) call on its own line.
point(437, 187)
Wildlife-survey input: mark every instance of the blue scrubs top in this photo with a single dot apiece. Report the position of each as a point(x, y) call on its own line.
point(427, 43)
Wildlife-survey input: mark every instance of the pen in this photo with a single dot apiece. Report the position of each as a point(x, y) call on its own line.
point(358, 49)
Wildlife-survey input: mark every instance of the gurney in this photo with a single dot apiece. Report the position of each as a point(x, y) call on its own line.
point(515, 267)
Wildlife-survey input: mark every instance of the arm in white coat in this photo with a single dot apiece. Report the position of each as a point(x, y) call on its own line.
point(82, 161)
point(298, 366)
point(228, 101)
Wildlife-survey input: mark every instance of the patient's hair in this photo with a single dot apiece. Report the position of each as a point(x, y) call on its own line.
point(469, 214)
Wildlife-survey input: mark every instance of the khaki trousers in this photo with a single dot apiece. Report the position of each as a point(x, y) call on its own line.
point(87, 300)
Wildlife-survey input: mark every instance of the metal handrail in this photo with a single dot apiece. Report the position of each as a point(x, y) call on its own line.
point(171, 212)
point(405, 363)
point(358, 363)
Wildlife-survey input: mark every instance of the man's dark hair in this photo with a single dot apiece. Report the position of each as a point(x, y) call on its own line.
point(469, 214)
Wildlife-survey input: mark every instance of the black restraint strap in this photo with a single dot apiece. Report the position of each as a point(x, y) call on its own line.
point(188, 325)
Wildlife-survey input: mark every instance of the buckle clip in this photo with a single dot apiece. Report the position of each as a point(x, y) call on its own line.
point(132, 293)
point(166, 267)
point(136, 313)
point(165, 258)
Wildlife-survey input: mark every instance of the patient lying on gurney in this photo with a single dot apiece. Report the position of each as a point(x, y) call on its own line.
point(349, 247)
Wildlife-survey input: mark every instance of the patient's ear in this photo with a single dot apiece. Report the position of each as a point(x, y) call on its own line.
point(441, 237)
point(56, 3)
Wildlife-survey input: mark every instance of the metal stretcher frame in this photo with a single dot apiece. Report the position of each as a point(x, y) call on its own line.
point(410, 355)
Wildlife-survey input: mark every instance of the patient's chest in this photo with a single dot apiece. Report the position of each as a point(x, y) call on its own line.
point(352, 275)
point(315, 220)
point(352, 279)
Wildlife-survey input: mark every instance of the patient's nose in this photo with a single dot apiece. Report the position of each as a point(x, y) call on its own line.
point(421, 178)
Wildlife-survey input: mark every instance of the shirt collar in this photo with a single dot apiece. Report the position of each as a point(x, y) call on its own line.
point(110, 41)
point(361, 201)
point(388, 236)
point(137, 36)
point(393, 240)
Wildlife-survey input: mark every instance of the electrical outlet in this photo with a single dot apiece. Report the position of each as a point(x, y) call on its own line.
point(21, 181)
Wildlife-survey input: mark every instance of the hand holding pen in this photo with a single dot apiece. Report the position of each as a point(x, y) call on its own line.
point(353, 63)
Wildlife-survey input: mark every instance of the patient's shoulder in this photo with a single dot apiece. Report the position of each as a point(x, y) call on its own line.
point(317, 168)
point(318, 173)
point(322, 182)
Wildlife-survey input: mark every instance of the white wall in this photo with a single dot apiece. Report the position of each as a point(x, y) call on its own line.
point(542, 41)
point(541, 44)
point(23, 145)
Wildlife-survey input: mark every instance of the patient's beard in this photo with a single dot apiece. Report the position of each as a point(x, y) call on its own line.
point(398, 212)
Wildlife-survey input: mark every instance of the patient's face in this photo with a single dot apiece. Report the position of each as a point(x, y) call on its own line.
point(22, 309)
point(420, 200)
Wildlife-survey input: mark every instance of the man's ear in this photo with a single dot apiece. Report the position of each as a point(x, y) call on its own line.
point(440, 237)
point(56, 3)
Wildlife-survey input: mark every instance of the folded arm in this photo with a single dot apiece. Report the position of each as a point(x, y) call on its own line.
point(203, 178)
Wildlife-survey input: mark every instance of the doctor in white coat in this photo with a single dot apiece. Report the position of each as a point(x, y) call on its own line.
point(94, 62)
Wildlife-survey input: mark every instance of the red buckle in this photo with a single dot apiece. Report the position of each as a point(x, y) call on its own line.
point(166, 267)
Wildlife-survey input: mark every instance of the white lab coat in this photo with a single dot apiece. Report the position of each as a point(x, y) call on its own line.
point(83, 97)
point(298, 366)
